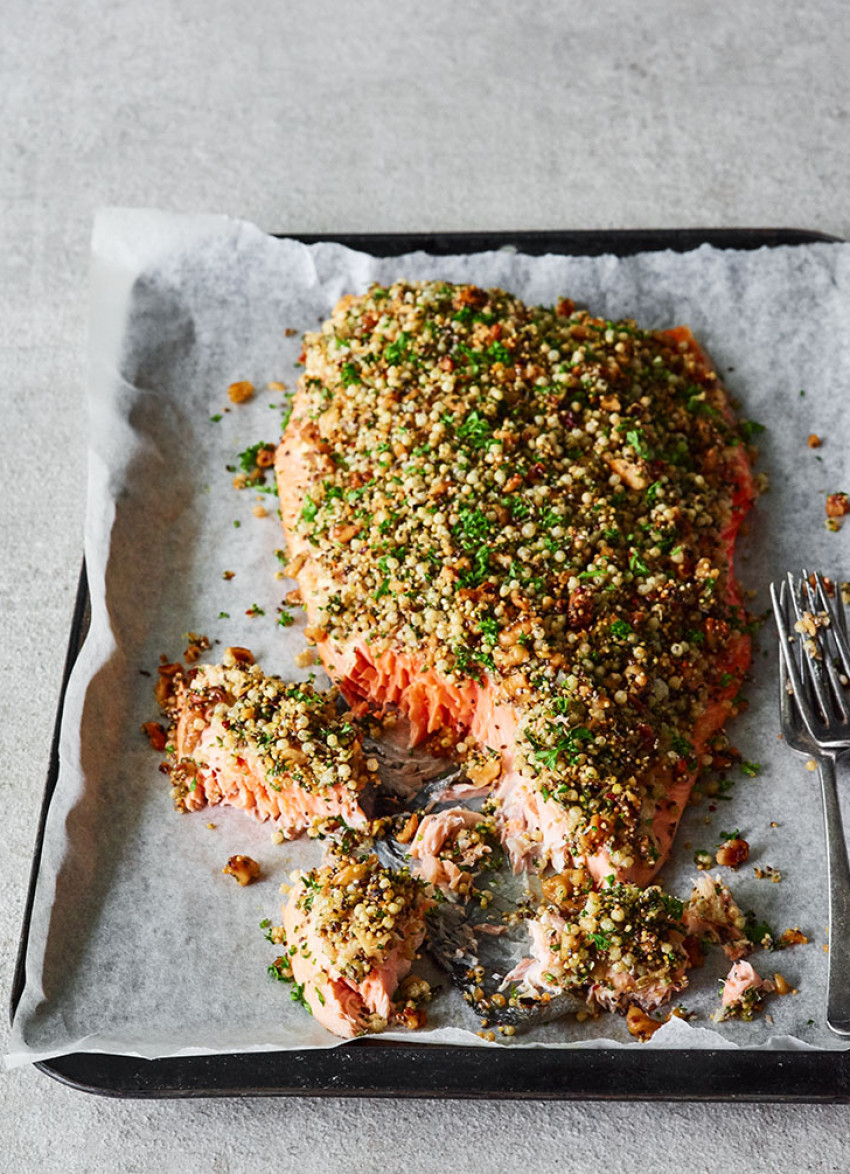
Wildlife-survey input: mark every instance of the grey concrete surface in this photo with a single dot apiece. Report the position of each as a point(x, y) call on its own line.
point(365, 115)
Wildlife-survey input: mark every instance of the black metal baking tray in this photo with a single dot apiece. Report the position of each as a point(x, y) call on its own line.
point(372, 1067)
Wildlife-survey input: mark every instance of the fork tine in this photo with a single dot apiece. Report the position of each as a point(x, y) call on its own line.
point(838, 694)
point(838, 624)
point(780, 612)
point(834, 637)
point(806, 661)
point(787, 716)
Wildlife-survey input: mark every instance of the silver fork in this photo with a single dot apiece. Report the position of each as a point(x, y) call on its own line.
point(815, 718)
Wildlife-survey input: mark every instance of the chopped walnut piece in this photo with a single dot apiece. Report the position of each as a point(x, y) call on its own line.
point(732, 853)
point(240, 393)
point(412, 1017)
point(344, 533)
point(242, 868)
point(156, 735)
point(196, 645)
point(265, 456)
point(641, 1025)
point(163, 690)
point(409, 830)
point(561, 888)
point(793, 937)
point(236, 655)
point(627, 470)
point(482, 771)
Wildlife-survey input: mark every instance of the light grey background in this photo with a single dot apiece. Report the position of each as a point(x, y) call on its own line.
point(344, 117)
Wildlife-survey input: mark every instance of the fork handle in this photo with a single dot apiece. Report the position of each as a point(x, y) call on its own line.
point(838, 880)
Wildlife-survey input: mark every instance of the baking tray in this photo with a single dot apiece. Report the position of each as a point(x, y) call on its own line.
point(372, 1067)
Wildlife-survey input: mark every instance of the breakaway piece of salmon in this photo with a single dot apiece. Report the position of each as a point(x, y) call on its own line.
point(517, 523)
point(449, 847)
point(743, 993)
point(620, 945)
point(277, 749)
point(352, 930)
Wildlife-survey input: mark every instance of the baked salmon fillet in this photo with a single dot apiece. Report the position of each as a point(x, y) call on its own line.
point(352, 930)
point(274, 748)
point(516, 524)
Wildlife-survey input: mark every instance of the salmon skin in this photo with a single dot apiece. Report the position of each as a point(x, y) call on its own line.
point(352, 930)
point(515, 526)
point(277, 749)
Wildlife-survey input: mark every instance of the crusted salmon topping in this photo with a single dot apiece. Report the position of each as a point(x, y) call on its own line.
point(536, 503)
point(362, 913)
point(292, 728)
point(619, 938)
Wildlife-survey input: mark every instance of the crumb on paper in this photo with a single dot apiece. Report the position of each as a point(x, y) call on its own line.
point(768, 873)
point(242, 868)
point(196, 644)
point(783, 987)
point(274, 385)
point(241, 392)
point(837, 508)
point(814, 440)
point(227, 575)
point(156, 735)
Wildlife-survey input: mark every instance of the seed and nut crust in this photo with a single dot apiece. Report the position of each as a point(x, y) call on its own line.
point(538, 498)
point(363, 912)
point(293, 729)
point(617, 930)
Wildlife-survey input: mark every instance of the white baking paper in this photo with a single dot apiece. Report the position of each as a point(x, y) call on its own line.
point(138, 943)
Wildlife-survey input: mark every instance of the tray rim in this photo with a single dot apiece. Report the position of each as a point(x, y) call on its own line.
point(372, 1067)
